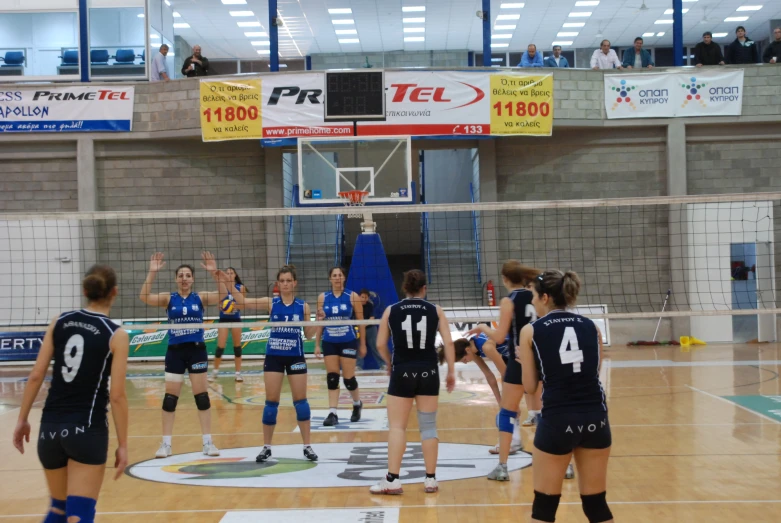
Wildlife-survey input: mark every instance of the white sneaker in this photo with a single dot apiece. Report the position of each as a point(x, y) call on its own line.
point(164, 451)
point(210, 450)
point(430, 485)
point(238, 377)
point(570, 472)
point(387, 487)
point(530, 421)
point(213, 376)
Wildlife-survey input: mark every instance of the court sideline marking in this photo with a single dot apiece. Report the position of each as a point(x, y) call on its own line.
point(734, 404)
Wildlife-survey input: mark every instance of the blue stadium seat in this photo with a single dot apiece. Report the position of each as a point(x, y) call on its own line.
point(142, 56)
point(99, 57)
point(125, 57)
point(13, 59)
point(70, 58)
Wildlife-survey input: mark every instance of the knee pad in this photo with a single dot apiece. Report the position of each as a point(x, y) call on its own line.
point(350, 383)
point(545, 506)
point(303, 413)
point(427, 423)
point(595, 507)
point(202, 401)
point(270, 412)
point(237, 352)
point(52, 517)
point(505, 420)
point(169, 402)
point(333, 380)
point(82, 508)
point(219, 352)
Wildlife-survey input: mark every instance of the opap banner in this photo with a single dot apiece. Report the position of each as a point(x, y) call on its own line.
point(230, 110)
point(670, 95)
point(66, 109)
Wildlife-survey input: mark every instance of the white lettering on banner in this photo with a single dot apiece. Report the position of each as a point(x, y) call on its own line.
point(64, 109)
point(20, 343)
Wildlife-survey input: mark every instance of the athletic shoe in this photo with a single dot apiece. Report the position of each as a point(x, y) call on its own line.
point(530, 421)
point(309, 453)
point(331, 420)
point(570, 472)
point(356, 413)
point(164, 451)
point(515, 447)
point(387, 487)
point(264, 455)
point(500, 473)
point(210, 450)
point(213, 376)
point(430, 485)
point(238, 377)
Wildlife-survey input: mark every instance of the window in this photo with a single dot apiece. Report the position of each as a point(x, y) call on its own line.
point(34, 44)
point(117, 42)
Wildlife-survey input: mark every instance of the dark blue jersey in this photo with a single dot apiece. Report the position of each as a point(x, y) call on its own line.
point(566, 351)
point(340, 308)
point(523, 313)
point(286, 341)
point(185, 310)
point(237, 313)
point(82, 366)
point(413, 325)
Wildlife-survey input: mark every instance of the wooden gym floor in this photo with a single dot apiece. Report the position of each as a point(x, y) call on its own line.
point(695, 438)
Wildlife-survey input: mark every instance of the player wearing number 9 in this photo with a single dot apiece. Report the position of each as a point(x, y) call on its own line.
point(87, 348)
point(564, 350)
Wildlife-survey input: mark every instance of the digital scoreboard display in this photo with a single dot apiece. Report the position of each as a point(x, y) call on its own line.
point(354, 95)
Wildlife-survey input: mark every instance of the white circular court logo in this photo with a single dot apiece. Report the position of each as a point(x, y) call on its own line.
point(339, 465)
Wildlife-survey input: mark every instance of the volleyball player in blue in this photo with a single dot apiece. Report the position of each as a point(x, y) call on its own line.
point(564, 350)
point(340, 346)
point(476, 348)
point(284, 355)
point(186, 348)
point(222, 334)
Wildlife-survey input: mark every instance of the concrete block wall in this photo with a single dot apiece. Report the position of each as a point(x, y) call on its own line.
point(38, 177)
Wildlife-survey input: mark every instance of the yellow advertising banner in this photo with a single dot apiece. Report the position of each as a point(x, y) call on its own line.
point(230, 110)
point(521, 105)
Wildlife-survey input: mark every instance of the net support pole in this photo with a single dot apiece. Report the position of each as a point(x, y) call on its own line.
point(678, 227)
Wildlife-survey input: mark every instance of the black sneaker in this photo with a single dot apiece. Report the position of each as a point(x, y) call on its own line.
point(309, 453)
point(331, 420)
point(356, 413)
point(264, 455)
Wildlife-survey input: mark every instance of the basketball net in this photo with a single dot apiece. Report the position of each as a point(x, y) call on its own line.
point(354, 201)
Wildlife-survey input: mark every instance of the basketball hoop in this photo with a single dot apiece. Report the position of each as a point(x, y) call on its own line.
point(354, 199)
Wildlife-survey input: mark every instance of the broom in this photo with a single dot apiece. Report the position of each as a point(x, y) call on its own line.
point(653, 341)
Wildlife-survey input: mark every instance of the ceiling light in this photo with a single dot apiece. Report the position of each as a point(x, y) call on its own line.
point(647, 35)
point(567, 33)
point(346, 32)
point(414, 29)
point(414, 20)
point(255, 34)
point(574, 24)
point(497, 59)
point(349, 41)
point(736, 19)
point(505, 27)
point(242, 13)
point(343, 22)
point(260, 42)
point(589, 3)
point(749, 8)
point(414, 38)
point(670, 11)
point(157, 37)
point(413, 8)
point(580, 14)
point(500, 45)
point(167, 3)
point(264, 51)
point(502, 37)
point(508, 17)
point(182, 25)
point(689, 1)
point(512, 6)
point(565, 42)
point(177, 15)
point(659, 34)
point(719, 35)
point(141, 15)
point(346, 11)
point(661, 22)
point(233, 2)
point(248, 24)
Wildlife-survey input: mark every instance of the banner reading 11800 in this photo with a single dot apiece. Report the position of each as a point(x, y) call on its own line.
point(230, 110)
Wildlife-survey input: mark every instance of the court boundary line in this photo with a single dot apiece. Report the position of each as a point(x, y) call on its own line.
point(777, 422)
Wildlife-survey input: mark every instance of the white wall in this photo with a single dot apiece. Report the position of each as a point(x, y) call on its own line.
point(38, 5)
point(42, 35)
point(117, 29)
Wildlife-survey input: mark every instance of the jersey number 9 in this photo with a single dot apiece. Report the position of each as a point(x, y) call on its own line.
point(72, 360)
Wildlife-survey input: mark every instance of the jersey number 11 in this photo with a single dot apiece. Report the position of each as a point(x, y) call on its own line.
point(421, 327)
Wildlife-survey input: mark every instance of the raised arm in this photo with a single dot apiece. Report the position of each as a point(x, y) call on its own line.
point(358, 309)
point(309, 332)
point(531, 377)
point(383, 335)
point(450, 350)
point(157, 299)
point(498, 335)
point(120, 346)
point(209, 264)
point(252, 303)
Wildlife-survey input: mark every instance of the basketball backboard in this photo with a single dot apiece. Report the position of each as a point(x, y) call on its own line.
point(380, 166)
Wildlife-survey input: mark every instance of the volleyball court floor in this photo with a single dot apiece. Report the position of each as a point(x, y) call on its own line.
point(696, 437)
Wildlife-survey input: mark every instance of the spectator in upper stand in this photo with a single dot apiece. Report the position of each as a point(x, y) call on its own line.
point(195, 65)
point(159, 72)
point(743, 50)
point(531, 58)
point(556, 60)
point(605, 57)
point(637, 57)
point(706, 52)
point(772, 53)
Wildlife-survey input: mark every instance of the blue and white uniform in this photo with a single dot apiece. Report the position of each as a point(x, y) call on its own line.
point(186, 347)
point(340, 340)
point(285, 347)
point(480, 340)
point(236, 316)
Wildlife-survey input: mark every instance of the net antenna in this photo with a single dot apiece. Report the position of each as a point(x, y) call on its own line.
point(355, 201)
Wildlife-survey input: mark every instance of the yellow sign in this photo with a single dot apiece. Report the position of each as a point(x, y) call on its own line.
point(231, 110)
point(521, 104)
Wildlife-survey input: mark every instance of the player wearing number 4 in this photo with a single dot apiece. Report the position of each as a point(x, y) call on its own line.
point(564, 350)
point(88, 349)
point(186, 348)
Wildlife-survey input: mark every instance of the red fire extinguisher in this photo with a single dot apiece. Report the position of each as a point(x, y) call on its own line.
point(489, 287)
point(275, 291)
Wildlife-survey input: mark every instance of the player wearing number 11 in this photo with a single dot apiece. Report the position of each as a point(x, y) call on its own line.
point(564, 350)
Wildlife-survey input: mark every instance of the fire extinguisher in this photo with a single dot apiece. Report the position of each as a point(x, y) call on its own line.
point(275, 291)
point(489, 287)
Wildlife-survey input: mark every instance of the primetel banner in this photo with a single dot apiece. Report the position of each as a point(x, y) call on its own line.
point(674, 95)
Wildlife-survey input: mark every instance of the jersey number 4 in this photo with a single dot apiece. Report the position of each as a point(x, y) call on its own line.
point(569, 351)
point(421, 327)
point(72, 359)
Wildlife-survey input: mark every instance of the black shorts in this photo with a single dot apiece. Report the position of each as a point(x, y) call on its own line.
point(408, 380)
point(562, 433)
point(290, 365)
point(59, 442)
point(190, 357)
point(345, 349)
point(229, 320)
point(513, 372)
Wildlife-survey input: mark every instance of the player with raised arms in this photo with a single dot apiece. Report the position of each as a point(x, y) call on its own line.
point(284, 355)
point(186, 347)
point(88, 349)
point(564, 349)
point(413, 323)
point(339, 344)
point(229, 313)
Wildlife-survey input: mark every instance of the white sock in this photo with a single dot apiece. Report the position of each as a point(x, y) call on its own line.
point(332, 410)
point(534, 412)
point(357, 403)
point(167, 440)
point(267, 447)
point(207, 438)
